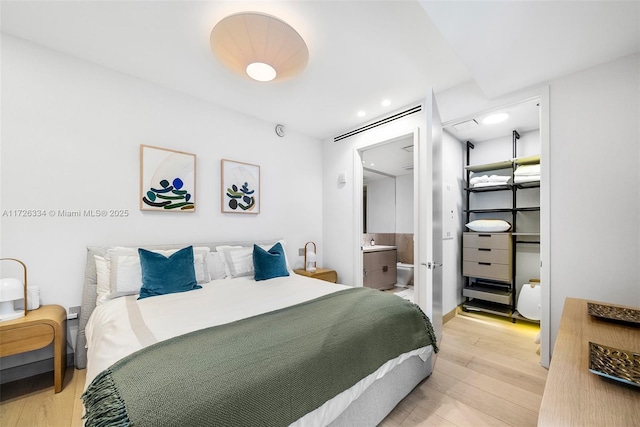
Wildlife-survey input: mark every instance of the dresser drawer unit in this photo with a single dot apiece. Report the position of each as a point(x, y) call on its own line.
point(487, 240)
point(495, 256)
point(487, 270)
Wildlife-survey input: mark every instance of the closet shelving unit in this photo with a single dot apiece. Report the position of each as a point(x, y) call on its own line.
point(488, 295)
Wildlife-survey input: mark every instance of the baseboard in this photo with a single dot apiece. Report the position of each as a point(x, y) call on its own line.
point(31, 369)
point(450, 315)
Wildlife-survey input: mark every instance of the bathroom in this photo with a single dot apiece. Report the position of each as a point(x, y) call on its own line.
point(388, 214)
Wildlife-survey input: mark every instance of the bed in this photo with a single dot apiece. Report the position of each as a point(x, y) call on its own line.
point(236, 351)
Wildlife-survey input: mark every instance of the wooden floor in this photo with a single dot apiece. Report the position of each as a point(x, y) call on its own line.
point(487, 373)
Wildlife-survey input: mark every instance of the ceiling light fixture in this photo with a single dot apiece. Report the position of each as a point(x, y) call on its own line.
point(259, 46)
point(495, 118)
point(361, 113)
point(385, 103)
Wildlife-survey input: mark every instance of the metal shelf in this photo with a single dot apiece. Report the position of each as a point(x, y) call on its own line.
point(525, 185)
point(505, 187)
point(504, 210)
point(488, 307)
point(499, 299)
point(507, 164)
point(527, 160)
point(488, 293)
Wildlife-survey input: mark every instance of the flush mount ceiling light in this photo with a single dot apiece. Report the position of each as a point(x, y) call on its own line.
point(495, 118)
point(259, 46)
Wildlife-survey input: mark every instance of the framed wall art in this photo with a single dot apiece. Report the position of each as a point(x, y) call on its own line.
point(240, 187)
point(167, 180)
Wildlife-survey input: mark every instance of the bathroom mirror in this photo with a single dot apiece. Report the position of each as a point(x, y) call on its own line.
point(388, 186)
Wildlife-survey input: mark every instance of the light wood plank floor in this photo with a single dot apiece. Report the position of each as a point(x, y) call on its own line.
point(487, 373)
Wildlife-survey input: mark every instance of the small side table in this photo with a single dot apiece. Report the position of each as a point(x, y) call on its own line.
point(320, 273)
point(38, 329)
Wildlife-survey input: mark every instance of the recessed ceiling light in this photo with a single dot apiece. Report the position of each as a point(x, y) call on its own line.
point(385, 103)
point(495, 118)
point(361, 113)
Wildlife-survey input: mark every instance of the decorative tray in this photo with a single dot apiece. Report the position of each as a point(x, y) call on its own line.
point(621, 314)
point(615, 364)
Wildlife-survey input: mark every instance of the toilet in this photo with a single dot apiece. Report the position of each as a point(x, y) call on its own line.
point(404, 275)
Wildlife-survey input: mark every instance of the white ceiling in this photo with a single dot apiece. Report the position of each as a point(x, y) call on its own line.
point(360, 51)
point(391, 158)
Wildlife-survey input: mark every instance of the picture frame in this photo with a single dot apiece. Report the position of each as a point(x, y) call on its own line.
point(167, 180)
point(240, 187)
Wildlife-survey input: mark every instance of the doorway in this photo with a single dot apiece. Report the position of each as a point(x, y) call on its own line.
point(529, 203)
point(388, 211)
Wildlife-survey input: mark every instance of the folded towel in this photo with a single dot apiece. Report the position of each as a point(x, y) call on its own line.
point(528, 170)
point(499, 178)
point(526, 178)
point(488, 184)
point(477, 179)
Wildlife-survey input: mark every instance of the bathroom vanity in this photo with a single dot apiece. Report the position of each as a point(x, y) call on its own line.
point(379, 264)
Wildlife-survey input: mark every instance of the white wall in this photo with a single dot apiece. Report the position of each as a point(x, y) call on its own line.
point(381, 205)
point(452, 179)
point(71, 132)
point(594, 133)
point(595, 237)
point(340, 233)
point(404, 204)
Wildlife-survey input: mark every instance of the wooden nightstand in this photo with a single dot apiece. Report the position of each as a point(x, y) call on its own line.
point(320, 273)
point(38, 329)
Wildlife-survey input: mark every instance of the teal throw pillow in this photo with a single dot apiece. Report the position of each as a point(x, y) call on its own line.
point(167, 275)
point(269, 264)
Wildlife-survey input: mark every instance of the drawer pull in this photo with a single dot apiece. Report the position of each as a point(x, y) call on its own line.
point(484, 263)
point(484, 249)
point(484, 235)
point(385, 268)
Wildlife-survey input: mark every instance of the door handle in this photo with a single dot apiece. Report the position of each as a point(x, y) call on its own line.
point(431, 265)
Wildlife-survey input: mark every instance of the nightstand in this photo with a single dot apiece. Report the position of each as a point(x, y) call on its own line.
point(38, 329)
point(320, 273)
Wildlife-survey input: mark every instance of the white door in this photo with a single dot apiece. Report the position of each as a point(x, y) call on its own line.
point(428, 265)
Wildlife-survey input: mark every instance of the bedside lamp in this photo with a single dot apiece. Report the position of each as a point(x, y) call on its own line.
point(11, 290)
point(310, 257)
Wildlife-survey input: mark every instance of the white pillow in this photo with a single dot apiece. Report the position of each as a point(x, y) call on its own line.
point(102, 279)
point(238, 260)
point(221, 257)
point(216, 266)
point(125, 272)
point(488, 225)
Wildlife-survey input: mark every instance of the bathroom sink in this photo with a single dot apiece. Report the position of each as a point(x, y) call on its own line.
point(377, 248)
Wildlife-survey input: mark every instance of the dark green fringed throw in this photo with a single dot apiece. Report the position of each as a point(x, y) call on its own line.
point(267, 370)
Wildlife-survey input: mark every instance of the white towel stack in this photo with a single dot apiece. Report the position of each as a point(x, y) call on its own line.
point(527, 173)
point(488, 181)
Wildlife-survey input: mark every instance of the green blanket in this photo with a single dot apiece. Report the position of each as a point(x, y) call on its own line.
point(267, 370)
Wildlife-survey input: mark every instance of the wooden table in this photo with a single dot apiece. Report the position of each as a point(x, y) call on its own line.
point(38, 329)
point(573, 396)
point(320, 273)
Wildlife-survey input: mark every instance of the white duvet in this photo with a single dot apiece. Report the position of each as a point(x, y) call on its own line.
point(125, 325)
